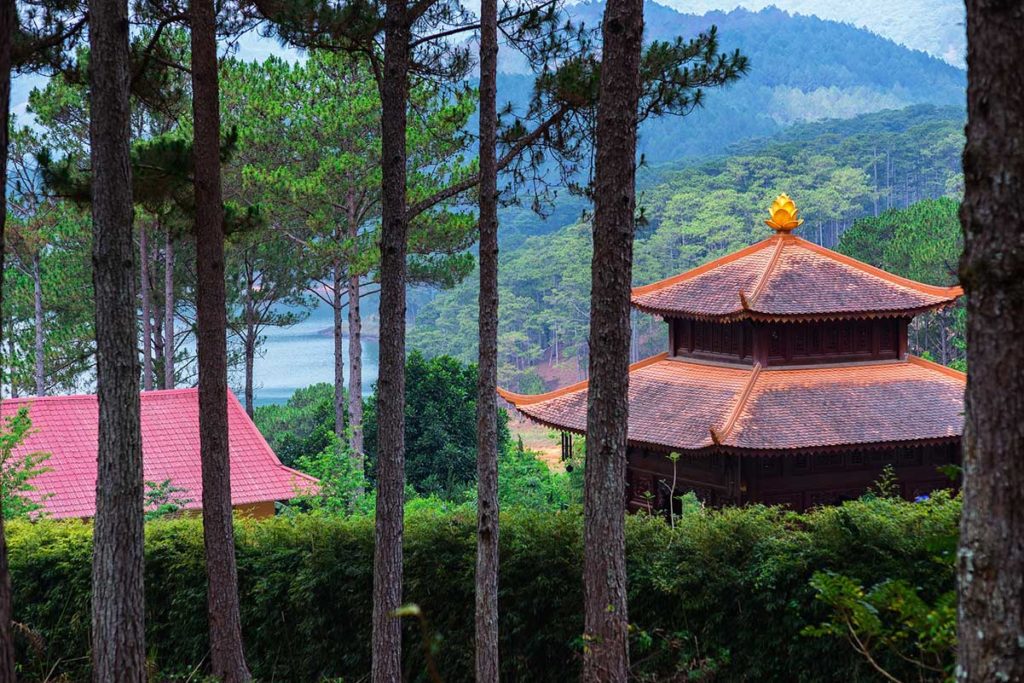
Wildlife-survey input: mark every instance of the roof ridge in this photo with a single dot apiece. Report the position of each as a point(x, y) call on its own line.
point(937, 367)
point(763, 280)
point(700, 270)
point(529, 399)
point(719, 436)
point(920, 287)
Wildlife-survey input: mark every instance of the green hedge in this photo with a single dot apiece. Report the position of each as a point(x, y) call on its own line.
point(724, 595)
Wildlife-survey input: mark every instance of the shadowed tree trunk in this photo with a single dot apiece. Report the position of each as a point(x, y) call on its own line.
point(169, 312)
point(118, 634)
point(487, 382)
point(387, 556)
point(606, 653)
point(40, 332)
point(147, 312)
point(226, 656)
point(7, 19)
point(991, 558)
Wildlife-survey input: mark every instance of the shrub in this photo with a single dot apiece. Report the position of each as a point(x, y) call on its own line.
point(725, 595)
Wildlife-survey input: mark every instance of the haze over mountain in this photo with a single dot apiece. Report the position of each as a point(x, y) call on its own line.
point(934, 26)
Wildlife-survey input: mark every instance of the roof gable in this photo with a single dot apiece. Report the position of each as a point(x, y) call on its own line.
point(67, 428)
point(786, 277)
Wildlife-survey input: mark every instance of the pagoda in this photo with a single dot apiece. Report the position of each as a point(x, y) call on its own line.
point(786, 381)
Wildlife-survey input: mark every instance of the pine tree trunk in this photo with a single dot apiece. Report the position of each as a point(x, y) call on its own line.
point(147, 311)
point(118, 634)
point(355, 371)
point(40, 332)
point(606, 656)
point(7, 20)
point(487, 382)
point(339, 347)
point(991, 557)
point(169, 312)
point(387, 557)
point(250, 355)
point(226, 656)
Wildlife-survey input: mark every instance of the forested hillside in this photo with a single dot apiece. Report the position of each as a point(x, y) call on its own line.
point(802, 68)
point(838, 171)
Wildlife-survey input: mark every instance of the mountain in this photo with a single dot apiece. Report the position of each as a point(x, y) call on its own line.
point(802, 68)
point(934, 26)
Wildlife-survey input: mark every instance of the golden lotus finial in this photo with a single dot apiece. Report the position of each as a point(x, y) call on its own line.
point(784, 216)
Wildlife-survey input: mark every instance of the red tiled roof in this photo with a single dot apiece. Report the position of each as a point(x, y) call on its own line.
point(686, 405)
point(784, 278)
point(67, 427)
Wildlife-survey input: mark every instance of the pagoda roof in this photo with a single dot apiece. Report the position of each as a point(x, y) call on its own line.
point(687, 405)
point(785, 277)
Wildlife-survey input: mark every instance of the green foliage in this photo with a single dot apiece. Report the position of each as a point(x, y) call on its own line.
point(726, 593)
point(162, 499)
point(343, 483)
point(890, 617)
point(16, 472)
point(440, 426)
point(302, 427)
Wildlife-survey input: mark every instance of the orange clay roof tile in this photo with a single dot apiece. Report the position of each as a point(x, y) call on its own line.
point(684, 405)
point(788, 277)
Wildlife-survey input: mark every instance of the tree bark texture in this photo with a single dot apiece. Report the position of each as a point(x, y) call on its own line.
point(487, 378)
point(387, 557)
point(606, 653)
point(8, 17)
point(118, 634)
point(147, 311)
point(169, 312)
point(40, 332)
point(226, 655)
point(991, 557)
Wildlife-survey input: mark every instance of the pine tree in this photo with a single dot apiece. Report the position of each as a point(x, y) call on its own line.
point(118, 634)
point(606, 653)
point(991, 557)
point(227, 659)
point(487, 558)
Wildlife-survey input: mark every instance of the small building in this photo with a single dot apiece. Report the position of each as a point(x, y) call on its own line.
point(67, 428)
point(786, 381)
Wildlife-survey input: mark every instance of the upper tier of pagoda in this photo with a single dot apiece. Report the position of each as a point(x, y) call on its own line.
point(782, 346)
point(786, 278)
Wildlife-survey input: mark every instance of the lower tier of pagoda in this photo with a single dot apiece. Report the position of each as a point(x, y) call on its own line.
point(793, 435)
point(691, 406)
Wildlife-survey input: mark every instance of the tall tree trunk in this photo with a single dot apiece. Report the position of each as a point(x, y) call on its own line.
point(606, 656)
point(355, 371)
point(8, 17)
point(991, 557)
point(40, 332)
point(487, 377)
point(250, 354)
point(118, 633)
point(147, 310)
point(169, 312)
point(387, 555)
point(337, 280)
point(226, 656)
point(355, 350)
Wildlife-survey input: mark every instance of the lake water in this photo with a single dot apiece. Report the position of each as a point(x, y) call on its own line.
point(301, 355)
